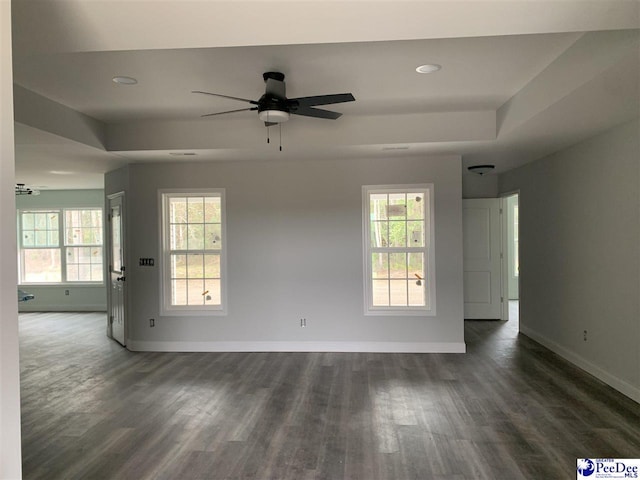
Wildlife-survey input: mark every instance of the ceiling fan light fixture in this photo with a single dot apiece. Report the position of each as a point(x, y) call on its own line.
point(273, 116)
point(428, 68)
point(481, 169)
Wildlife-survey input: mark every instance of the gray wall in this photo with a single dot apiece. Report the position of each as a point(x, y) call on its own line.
point(579, 245)
point(53, 297)
point(479, 186)
point(294, 235)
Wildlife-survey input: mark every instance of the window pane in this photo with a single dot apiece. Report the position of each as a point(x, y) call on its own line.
point(53, 221)
point(378, 206)
point(416, 293)
point(28, 239)
point(380, 293)
point(398, 265)
point(42, 265)
point(178, 292)
point(178, 237)
point(178, 266)
point(72, 273)
point(380, 265)
point(213, 236)
point(212, 266)
point(84, 272)
point(398, 292)
point(195, 213)
point(178, 210)
point(212, 212)
point(42, 238)
point(195, 292)
point(195, 236)
point(97, 274)
point(28, 221)
point(397, 234)
point(415, 206)
point(213, 292)
point(415, 263)
point(379, 234)
point(195, 266)
point(415, 234)
point(397, 209)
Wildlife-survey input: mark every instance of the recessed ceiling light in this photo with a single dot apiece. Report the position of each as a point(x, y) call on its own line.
point(429, 68)
point(125, 80)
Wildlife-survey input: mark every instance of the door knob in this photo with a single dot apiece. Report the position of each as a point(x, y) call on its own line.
point(120, 279)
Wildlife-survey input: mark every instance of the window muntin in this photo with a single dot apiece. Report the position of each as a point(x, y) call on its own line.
point(61, 246)
point(399, 277)
point(193, 236)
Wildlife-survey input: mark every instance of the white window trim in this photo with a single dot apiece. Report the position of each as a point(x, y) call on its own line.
point(61, 245)
point(166, 309)
point(430, 261)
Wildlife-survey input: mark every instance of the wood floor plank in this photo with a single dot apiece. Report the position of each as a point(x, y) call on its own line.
point(508, 409)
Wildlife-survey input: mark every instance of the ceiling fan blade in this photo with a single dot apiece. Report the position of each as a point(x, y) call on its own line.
point(229, 111)
point(322, 99)
point(253, 102)
point(276, 88)
point(316, 112)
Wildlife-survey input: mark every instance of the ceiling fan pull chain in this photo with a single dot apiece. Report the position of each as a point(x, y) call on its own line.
point(280, 126)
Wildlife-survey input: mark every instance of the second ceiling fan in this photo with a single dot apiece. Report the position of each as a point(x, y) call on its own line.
point(274, 107)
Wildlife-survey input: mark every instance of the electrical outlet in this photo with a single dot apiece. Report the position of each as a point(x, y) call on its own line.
point(303, 322)
point(152, 322)
point(66, 292)
point(584, 335)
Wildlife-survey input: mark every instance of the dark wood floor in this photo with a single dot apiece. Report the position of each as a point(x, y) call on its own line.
point(508, 409)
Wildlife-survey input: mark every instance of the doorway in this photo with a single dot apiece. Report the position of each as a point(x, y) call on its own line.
point(511, 257)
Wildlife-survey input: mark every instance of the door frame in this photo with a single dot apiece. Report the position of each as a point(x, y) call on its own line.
point(123, 229)
point(504, 253)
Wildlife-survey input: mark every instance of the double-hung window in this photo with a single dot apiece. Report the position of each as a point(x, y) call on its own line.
point(193, 267)
point(399, 252)
point(61, 246)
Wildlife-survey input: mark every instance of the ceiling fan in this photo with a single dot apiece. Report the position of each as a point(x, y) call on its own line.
point(274, 107)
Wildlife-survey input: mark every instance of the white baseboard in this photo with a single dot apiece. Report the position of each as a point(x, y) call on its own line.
point(620, 385)
point(373, 347)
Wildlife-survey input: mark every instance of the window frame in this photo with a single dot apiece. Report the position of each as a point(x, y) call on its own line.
point(428, 250)
point(166, 308)
point(62, 245)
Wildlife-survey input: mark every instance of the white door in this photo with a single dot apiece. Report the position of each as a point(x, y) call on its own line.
point(481, 251)
point(116, 328)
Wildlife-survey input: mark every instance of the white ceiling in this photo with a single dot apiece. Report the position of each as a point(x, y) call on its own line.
point(519, 80)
